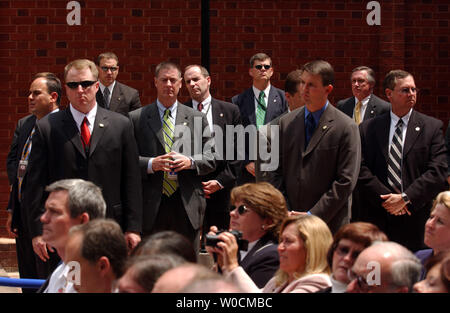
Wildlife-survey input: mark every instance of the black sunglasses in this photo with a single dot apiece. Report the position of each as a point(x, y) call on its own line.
point(106, 68)
point(260, 66)
point(85, 84)
point(241, 209)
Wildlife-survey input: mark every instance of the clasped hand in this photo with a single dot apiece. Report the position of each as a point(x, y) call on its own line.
point(172, 161)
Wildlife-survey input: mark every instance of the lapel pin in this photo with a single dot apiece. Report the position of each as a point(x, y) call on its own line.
point(417, 129)
point(221, 114)
point(118, 98)
point(101, 125)
point(325, 127)
point(185, 123)
point(274, 100)
point(371, 112)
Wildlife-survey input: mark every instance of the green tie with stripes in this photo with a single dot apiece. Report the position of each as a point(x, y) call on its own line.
point(261, 110)
point(169, 186)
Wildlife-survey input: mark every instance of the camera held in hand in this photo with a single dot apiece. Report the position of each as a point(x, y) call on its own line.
point(212, 240)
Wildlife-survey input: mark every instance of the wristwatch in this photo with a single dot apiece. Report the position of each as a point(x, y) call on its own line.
point(405, 198)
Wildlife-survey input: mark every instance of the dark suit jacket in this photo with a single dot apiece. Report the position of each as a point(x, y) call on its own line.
point(262, 261)
point(320, 179)
point(123, 99)
point(447, 144)
point(424, 170)
point(20, 220)
point(148, 134)
point(223, 113)
point(111, 163)
point(375, 107)
point(276, 105)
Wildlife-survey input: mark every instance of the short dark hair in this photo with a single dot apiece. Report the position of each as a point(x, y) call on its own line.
point(370, 73)
point(167, 242)
point(106, 55)
point(167, 65)
point(203, 69)
point(53, 84)
point(322, 68)
point(103, 237)
point(293, 79)
point(259, 57)
point(390, 80)
point(359, 232)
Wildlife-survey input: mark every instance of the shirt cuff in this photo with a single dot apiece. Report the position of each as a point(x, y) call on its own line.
point(149, 166)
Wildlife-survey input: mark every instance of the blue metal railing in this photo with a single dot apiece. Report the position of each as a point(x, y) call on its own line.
point(21, 282)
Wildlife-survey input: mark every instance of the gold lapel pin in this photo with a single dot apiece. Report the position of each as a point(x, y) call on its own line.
point(101, 125)
point(325, 127)
point(185, 123)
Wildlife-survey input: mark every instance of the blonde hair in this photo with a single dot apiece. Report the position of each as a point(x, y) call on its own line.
point(81, 64)
point(317, 240)
point(442, 198)
point(265, 200)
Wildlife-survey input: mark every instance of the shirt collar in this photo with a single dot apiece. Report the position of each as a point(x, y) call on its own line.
point(316, 115)
point(205, 102)
point(79, 117)
point(364, 101)
point(162, 108)
point(110, 87)
point(405, 118)
point(256, 91)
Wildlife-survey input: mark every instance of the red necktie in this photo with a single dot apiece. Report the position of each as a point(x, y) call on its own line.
point(85, 133)
point(200, 106)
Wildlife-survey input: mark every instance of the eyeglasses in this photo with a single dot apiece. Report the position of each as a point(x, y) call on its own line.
point(106, 68)
point(241, 209)
point(344, 250)
point(360, 82)
point(84, 84)
point(260, 66)
point(406, 91)
point(361, 281)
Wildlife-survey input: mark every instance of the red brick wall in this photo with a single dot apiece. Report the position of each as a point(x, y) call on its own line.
point(35, 37)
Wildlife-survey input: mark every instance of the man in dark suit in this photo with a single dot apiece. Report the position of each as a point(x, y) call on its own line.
point(218, 184)
point(118, 97)
point(319, 151)
point(44, 97)
point(364, 104)
point(258, 105)
point(86, 141)
point(173, 155)
point(403, 164)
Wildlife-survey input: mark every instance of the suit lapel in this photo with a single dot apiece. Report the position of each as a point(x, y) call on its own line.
point(349, 106)
point(100, 125)
point(70, 128)
point(99, 98)
point(370, 110)
point(325, 124)
point(272, 104)
point(116, 97)
point(382, 129)
point(217, 114)
point(154, 122)
point(249, 100)
point(413, 131)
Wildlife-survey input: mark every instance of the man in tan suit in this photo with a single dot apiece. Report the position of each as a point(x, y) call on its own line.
point(319, 151)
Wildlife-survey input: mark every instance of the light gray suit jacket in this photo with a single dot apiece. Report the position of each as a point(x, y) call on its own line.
point(148, 133)
point(320, 179)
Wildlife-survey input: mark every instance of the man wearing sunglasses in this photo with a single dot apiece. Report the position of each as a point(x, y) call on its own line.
point(89, 142)
point(403, 165)
point(113, 95)
point(258, 105)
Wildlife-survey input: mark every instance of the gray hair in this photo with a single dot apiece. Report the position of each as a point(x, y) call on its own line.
point(406, 269)
point(83, 197)
point(370, 73)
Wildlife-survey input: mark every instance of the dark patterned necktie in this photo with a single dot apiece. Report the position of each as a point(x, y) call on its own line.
point(394, 175)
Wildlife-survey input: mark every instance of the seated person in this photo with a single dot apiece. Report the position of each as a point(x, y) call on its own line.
point(438, 275)
point(257, 211)
point(302, 249)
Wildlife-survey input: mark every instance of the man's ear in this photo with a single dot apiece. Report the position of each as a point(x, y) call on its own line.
point(103, 265)
point(329, 89)
point(84, 218)
point(388, 93)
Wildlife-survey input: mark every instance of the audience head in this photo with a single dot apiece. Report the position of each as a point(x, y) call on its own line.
point(384, 267)
point(167, 242)
point(292, 89)
point(100, 249)
point(437, 227)
point(70, 202)
point(438, 275)
point(303, 246)
point(348, 243)
point(108, 67)
point(174, 280)
point(257, 209)
point(197, 81)
point(45, 94)
point(363, 81)
point(143, 272)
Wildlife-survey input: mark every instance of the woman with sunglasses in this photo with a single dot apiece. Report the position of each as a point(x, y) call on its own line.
point(348, 243)
point(257, 211)
point(302, 249)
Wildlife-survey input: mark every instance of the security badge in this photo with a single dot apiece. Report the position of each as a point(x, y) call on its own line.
point(22, 169)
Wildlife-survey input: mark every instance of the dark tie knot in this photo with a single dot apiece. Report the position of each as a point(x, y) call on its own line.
point(200, 106)
point(400, 123)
